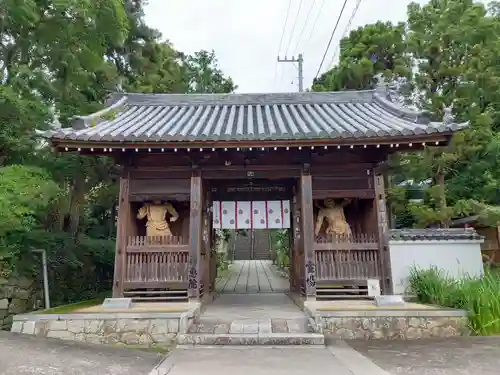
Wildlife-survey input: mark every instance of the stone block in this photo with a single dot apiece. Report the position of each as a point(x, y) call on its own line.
point(18, 306)
point(21, 282)
point(389, 300)
point(92, 338)
point(145, 339)
point(163, 338)
point(117, 303)
point(93, 326)
point(63, 335)
point(130, 338)
point(108, 327)
point(21, 294)
point(173, 325)
point(41, 328)
point(80, 337)
point(251, 327)
point(29, 328)
point(57, 325)
point(76, 326)
point(3, 314)
point(4, 304)
point(17, 327)
point(112, 338)
point(158, 327)
point(133, 325)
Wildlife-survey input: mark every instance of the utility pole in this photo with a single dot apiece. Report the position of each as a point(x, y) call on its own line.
point(300, 61)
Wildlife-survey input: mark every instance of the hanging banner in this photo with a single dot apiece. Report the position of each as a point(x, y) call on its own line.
point(244, 215)
point(251, 214)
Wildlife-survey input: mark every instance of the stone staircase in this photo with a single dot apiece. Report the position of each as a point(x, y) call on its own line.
point(243, 246)
point(252, 332)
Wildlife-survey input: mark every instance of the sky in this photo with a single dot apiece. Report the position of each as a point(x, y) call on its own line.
point(246, 34)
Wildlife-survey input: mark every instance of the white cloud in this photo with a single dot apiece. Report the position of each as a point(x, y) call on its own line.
point(245, 34)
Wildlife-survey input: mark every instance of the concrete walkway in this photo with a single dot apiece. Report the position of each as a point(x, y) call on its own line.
point(25, 354)
point(22, 355)
point(254, 361)
point(251, 276)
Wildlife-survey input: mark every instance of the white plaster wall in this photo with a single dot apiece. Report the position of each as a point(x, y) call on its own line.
point(456, 258)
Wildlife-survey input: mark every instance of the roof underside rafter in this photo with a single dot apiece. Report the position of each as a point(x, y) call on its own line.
point(246, 120)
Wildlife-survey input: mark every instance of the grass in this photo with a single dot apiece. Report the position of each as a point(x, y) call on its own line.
point(479, 296)
point(65, 309)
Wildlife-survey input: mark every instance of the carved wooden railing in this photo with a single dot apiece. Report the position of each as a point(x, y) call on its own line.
point(355, 257)
point(156, 260)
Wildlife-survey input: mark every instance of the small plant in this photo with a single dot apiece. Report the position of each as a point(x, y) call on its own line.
point(479, 296)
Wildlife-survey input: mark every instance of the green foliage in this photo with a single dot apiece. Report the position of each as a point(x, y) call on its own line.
point(280, 248)
point(453, 49)
point(58, 59)
point(369, 50)
point(479, 296)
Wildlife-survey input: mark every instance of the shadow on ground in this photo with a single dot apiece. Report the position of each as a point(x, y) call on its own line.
point(24, 354)
point(453, 356)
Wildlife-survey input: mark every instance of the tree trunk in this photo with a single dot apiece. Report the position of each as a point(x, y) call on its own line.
point(442, 199)
point(77, 197)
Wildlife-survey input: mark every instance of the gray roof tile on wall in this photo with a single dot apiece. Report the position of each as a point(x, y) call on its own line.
point(247, 117)
point(444, 234)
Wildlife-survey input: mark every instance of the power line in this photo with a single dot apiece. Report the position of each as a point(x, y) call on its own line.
point(294, 26)
point(316, 20)
point(304, 27)
point(284, 26)
point(282, 37)
point(331, 38)
point(346, 30)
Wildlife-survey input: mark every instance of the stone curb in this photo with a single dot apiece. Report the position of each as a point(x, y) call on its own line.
point(391, 313)
point(106, 316)
point(251, 339)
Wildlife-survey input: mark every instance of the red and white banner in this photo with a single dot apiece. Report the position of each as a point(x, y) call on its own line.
point(251, 214)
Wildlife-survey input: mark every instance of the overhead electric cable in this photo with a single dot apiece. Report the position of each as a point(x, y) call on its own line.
point(282, 37)
point(294, 26)
point(304, 27)
point(284, 26)
point(331, 38)
point(346, 30)
point(316, 20)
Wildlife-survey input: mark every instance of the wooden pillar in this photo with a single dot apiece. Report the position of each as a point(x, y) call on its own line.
point(307, 231)
point(383, 232)
point(195, 236)
point(121, 237)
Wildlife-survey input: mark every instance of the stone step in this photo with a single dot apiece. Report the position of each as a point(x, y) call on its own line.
point(195, 339)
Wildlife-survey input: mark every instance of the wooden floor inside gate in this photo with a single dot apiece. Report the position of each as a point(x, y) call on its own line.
point(252, 276)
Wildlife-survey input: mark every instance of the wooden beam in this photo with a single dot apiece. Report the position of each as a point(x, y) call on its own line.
point(195, 236)
point(307, 231)
point(121, 237)
point(383, 233)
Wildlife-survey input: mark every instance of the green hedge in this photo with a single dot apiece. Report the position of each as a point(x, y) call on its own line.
point(479, 296)
point(78, 270)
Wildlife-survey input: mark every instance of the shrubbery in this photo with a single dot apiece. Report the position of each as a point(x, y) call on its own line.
point(479, 296)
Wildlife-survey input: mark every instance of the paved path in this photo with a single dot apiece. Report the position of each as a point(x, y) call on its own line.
point(252, 306)
point(252, 276)
point(24, 354)
point(254, 361)
point(453, 356)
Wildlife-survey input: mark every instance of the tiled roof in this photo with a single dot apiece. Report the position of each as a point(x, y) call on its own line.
point(434, 234)
point(245, 117)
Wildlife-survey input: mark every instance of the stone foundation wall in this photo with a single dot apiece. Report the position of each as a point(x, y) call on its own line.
point(17, 296)
point(390, 325)
point(108, 328)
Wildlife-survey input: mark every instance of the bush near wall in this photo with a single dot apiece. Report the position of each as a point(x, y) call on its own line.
point(78, 270)
point(479, 296)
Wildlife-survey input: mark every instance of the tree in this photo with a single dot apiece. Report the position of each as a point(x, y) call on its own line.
point(367, 51)
point(204, 75)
